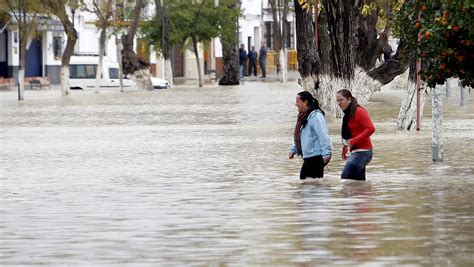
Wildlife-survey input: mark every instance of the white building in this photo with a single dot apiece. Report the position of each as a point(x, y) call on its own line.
point(43, 58)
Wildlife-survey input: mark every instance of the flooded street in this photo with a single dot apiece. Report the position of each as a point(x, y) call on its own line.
point(200, 177)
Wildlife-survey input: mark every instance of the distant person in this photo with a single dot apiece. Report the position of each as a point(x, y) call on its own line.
point(311, 137)
point(242, 59)
point(252, 61)
point(357, 127)
point(262, 60)
point(387, 52)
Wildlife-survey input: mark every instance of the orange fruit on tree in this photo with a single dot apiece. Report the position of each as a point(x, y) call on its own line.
point(418, 25)
point(427, 34)
point(456, 28)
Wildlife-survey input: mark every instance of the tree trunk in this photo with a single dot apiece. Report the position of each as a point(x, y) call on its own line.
point(324, 48)
point(282, 59)
point(230, 56)
point(68, 51)
point(65, 80)
point(276, 26)
point(161, 10)
point(27, 26)
point(342, 25)
point(132, 65)
point(283, 55)
point(437, 136)
point(22, 67)
point(393, 67)
point(407, 115)
point(21, 84)
point(230, 59)
point(102, 39)
point(196, 53)
point(462, 103)
point(119, 45)
point(369, 48)
point(308, 59)
point(342, 21)
point(168, 72)
point(448, 88)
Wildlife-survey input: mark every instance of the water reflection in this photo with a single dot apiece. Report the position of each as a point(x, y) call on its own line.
point(200, 176)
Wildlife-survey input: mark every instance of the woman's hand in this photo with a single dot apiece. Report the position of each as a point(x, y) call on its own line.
point(344, 152)
point(326, 159)
point(291, 155)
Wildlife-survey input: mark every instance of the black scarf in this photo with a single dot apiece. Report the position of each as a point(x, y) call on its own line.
point(345, 132)
point(300, 124)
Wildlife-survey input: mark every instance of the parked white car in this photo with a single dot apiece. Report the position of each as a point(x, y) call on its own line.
point(160, 83)
point(83, 71)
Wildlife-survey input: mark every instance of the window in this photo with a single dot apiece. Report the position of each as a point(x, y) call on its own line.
point(82, 71)
point(57, 47)
point(113, 73)
point(268, 36)
point(289, 36)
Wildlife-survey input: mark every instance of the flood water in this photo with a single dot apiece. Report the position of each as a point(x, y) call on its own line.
point(200, 177)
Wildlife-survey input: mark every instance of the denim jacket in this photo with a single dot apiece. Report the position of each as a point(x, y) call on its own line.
point(314, 137)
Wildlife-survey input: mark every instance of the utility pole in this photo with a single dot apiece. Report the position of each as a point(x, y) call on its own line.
point(163, 45)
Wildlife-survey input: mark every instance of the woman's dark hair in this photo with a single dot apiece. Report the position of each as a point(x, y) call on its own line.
point(350, 111)
point(307, 96)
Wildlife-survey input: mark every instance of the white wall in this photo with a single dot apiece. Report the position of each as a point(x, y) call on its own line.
point(14, 56)
point(252, 10)
point(3, 49)
point(256, 12)
point(190, 67)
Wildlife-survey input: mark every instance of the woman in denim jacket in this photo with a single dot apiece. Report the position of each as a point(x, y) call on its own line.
point(311, 137)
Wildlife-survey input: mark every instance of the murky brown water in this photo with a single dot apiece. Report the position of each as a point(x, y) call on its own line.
point(200, 176)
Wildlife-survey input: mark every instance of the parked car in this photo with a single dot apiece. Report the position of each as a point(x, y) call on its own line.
point(83, 71)
point(159, 83)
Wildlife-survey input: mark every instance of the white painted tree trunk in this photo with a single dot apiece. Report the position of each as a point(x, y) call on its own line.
point(168, 72)
point(119, 46)
point(142, 79)
point(448, 88)
point(65, 80)
point(407, 115)
point(21, 84)
point(99, 71)
point(437, 136)
point(362, 88)
point(463, 96)
point(283, 75)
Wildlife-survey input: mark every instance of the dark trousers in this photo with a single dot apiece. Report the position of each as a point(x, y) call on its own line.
point(253, 67)
point(263, 66)
point(312, 167)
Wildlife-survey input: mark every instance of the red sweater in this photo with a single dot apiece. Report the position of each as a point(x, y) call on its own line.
point(361, 128)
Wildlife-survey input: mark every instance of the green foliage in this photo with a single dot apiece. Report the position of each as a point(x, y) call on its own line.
point(187, 19)
point(227, 21)
point(441, 33)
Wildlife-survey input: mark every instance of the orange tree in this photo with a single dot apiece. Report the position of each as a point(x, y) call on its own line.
point(441, 33)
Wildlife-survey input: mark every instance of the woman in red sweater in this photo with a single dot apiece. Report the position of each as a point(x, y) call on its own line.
point(356, 131)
